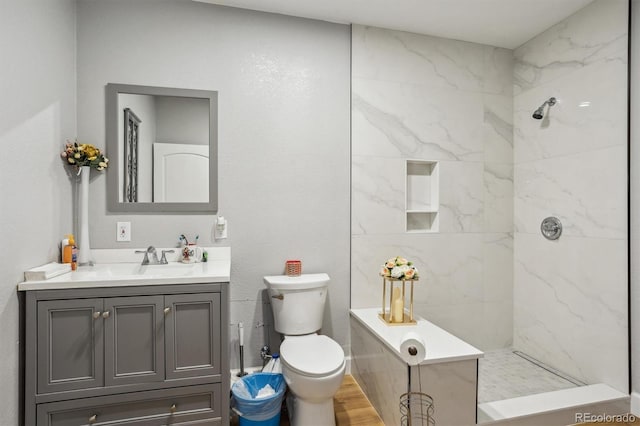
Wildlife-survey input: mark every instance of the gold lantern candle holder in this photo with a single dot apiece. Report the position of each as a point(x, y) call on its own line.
point(396, 273)
point(390, 316)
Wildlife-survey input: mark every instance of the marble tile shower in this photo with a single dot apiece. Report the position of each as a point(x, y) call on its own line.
point(572, 165)
point(424, 98)
point(488, 276)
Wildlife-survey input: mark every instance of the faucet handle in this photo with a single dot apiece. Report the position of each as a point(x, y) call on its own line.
point(145, 261)
point(163, 260)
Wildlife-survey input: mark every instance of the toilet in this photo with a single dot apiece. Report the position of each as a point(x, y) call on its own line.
point(313, 365)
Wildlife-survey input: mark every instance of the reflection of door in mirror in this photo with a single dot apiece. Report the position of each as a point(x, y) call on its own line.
point(131, 128)
point(180, 173)
point(166, 120)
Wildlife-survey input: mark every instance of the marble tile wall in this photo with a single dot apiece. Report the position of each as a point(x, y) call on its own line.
point(572, 164)
point(417, 97)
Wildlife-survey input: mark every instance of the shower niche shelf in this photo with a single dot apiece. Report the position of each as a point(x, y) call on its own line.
point(422, 196)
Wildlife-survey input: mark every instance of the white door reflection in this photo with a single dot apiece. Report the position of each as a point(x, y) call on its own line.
point(180, 173)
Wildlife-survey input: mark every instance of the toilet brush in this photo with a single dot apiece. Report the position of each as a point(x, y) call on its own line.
point(241, 342)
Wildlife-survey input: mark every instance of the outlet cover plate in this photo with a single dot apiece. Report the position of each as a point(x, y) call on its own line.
point(123, 231)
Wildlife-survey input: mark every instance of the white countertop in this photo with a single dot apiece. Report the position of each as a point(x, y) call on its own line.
point(440, 345)
point(122, 267)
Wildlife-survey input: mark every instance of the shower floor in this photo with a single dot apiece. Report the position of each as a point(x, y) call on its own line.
point(505, 374)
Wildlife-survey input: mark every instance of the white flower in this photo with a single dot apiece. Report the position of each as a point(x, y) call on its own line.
point(396, 272)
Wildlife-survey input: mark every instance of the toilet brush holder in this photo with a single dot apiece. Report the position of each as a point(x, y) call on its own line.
point(241, 372)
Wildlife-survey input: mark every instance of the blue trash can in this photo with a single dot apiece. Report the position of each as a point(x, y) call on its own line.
point(262, 411)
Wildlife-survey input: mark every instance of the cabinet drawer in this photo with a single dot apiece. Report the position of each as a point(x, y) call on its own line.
point(186, 405)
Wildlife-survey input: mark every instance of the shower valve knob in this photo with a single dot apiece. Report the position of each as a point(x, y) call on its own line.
point(551, 228)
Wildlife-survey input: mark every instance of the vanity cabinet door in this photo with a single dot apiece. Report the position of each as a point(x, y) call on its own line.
point(134, 340)
point(70, 345)
point(192, 333)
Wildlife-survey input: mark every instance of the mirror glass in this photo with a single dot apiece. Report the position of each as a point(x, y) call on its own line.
point(163, 145)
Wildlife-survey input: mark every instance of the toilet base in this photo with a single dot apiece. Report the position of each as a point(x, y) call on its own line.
point(304, 413)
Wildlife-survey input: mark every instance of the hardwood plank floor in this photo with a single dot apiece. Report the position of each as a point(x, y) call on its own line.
point(351, 406)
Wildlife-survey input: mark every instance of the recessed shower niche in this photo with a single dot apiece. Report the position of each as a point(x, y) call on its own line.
point(422, 196)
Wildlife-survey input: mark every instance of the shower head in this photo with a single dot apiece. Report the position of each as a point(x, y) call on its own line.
point(539, 113)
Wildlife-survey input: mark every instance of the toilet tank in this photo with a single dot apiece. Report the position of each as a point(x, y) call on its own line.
point(297, 302)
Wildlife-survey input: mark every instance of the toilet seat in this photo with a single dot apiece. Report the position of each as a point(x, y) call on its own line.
point(312, 355)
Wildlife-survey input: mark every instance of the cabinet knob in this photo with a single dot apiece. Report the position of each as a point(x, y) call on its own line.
point(93, 418)
point(97, 314)
point(173, 408)
point(166, 311)
point(106, 314)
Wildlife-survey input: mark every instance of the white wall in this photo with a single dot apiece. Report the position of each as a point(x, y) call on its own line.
point(570, 295)
point(426, 98)
point(37, 115)
point(182, 120)
point(283, 88)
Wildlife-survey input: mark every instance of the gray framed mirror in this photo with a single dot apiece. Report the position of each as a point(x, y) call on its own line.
point(163, 149)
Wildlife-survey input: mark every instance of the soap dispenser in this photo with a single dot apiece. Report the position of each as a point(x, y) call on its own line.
point(220, 228)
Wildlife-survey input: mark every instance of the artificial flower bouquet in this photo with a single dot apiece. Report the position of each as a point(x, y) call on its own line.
point(84, 154)
point(399, 268)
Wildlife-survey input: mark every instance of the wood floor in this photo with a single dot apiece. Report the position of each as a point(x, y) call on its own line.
point(351, 406)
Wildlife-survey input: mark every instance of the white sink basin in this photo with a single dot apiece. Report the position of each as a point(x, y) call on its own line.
point(111, 273)
point(173, 269)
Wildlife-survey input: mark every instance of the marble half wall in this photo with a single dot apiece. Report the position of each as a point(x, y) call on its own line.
point(383, 377)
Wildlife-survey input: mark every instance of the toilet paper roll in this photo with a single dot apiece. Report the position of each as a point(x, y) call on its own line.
point(412, 348)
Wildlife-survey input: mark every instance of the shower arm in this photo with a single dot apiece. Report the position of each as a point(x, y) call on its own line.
point(551, 102)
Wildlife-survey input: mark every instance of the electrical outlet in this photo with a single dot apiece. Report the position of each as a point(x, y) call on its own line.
point(123, 231)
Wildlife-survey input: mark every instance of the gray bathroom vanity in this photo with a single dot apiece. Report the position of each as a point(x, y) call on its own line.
point(128, 344)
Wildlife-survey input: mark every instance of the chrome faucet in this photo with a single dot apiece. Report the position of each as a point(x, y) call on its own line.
point(151, 250)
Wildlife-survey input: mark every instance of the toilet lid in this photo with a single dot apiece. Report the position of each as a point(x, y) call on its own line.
point(312, 355)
